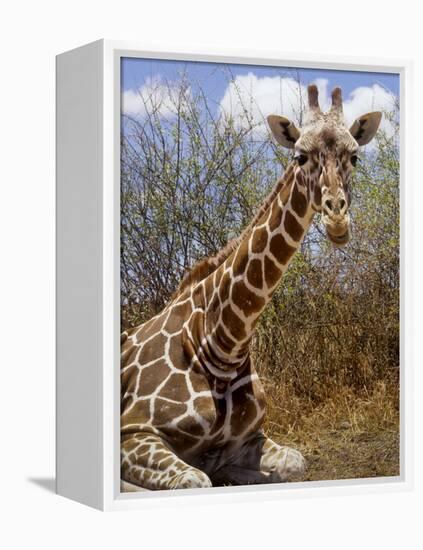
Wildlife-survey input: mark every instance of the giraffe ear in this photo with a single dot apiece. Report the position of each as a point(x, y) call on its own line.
point(364, 128)
point(284, 131)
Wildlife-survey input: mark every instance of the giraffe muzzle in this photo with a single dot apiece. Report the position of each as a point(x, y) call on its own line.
point(336, 220)
point(339, 240)
point(335, 215)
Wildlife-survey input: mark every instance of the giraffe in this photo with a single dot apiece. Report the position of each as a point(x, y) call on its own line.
point(191, 400)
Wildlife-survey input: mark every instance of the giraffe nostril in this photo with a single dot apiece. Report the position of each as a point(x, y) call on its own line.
point(328, 205)
point(342, 204)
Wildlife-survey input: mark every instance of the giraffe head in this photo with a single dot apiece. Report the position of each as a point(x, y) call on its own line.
point(325, 155)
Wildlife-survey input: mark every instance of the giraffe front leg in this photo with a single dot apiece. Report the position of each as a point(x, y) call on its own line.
point(261, 460)
point(282, 463)
point(148, 462)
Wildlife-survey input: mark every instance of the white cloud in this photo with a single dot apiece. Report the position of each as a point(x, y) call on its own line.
point(153, 96)
point(261, 97)
point(274, 95)
point(369, 98)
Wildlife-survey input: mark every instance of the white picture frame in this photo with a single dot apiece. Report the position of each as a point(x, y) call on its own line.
point(88, 290)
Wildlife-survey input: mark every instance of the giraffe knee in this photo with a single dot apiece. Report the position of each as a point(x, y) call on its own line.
point(189, 479)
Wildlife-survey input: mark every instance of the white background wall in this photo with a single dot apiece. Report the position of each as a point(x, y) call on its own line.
point(31, 33)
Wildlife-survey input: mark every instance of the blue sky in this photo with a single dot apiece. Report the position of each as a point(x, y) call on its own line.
point(274, 89)
point(135, 71)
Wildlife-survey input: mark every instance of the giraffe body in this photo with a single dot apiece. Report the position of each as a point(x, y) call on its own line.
point(192, 402)
point(204, 420)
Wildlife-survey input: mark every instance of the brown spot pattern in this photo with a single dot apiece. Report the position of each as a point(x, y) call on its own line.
point(199, 381)
point(259, 240)
point(152, 376)
point(198, 296)
point(292, 227)
point(138, 414)
point(176, 388)
point(241, 259)
point(179, 314)
point(164, 411)
point(176, 352)
point(223, 341)
point(142, 449)
point(219, 274)
point(164, 464)
point(246, 300)
point(299, 178)
point(128, 379)
point(254, 273)
point(205, 406)
point(275, 217)
point(129, 354)
point(280, 249)
point(317, 195)
point(299, 202)
point(208, 286)
point(213, 313)
point(271, 272)
point(150, 328)
point(233, 323)
point(153, 349)
point(224, 287)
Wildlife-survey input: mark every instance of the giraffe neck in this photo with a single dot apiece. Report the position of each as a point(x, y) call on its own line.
point(238, 292)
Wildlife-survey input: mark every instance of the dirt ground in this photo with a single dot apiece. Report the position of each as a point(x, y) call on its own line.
point(347, 438)
point(344, 454)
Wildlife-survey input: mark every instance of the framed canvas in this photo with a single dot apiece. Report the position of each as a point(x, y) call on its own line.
point(231, 276)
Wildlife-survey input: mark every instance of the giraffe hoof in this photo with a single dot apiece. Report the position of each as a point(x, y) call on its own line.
point(191, 479)
point(291, 463)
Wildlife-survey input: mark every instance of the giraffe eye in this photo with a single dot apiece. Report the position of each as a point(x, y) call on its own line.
point(301, 158)
point(354, 159)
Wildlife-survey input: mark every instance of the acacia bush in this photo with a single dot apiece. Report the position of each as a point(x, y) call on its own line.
point(192, 180)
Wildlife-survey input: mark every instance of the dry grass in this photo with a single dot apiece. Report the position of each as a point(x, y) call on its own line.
point(329, 363)
point(347, 436)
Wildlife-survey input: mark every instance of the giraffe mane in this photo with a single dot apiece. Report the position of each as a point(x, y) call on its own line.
point(204, 267)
